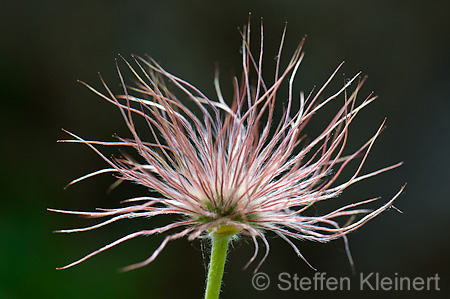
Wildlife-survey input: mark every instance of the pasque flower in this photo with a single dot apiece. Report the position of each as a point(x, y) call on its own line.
point(235, 167)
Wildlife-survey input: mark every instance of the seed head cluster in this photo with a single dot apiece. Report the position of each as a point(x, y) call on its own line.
point(234, 166)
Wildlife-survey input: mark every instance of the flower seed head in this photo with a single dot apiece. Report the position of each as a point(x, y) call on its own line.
point(234, 167)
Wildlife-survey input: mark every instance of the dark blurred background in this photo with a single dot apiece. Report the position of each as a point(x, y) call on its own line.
point(46, 46)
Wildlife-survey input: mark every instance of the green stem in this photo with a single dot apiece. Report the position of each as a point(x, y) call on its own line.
point(216, 264)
